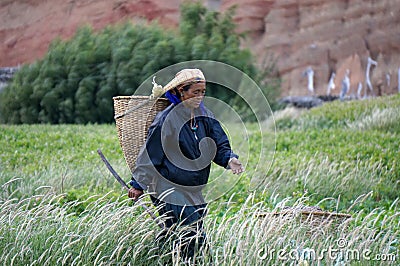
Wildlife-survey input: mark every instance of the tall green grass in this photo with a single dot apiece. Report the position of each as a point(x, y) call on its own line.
point(59, 204)
point(40, 231)
point(340, 114)
point(61, 156)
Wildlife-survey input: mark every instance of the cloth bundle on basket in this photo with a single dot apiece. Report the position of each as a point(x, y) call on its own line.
point(134, 114)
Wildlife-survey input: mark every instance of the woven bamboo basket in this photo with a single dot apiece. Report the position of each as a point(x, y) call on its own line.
point(133, 117)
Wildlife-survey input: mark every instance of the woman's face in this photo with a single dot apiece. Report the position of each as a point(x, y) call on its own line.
point(194, 95)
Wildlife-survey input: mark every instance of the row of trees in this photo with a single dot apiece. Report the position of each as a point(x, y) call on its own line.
point(76, 80)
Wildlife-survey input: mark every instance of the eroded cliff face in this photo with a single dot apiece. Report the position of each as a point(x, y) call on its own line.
point(28, 26)
point(328, 36)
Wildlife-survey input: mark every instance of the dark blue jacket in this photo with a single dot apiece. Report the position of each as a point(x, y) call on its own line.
point(177, 152)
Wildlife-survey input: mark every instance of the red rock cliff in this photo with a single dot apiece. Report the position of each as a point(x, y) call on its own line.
point(328, 36)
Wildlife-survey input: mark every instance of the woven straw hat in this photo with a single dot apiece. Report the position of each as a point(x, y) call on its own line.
point(185, 76)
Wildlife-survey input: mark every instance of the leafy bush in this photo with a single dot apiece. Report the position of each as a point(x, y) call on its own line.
point(76, 80)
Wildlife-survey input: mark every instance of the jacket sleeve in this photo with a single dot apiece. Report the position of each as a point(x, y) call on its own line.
point(149, 158)
point(224, 151)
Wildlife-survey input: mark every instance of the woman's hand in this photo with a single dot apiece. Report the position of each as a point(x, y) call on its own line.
point(236, 166)
point(134, 193)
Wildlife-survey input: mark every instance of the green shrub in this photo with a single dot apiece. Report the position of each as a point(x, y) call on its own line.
point(76, 79)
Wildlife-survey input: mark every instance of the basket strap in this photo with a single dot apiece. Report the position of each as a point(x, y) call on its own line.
point(133, 108)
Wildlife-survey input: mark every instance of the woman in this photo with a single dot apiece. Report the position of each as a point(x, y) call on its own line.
point(174, 164)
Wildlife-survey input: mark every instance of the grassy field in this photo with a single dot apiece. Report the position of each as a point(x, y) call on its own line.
point(59, 204)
